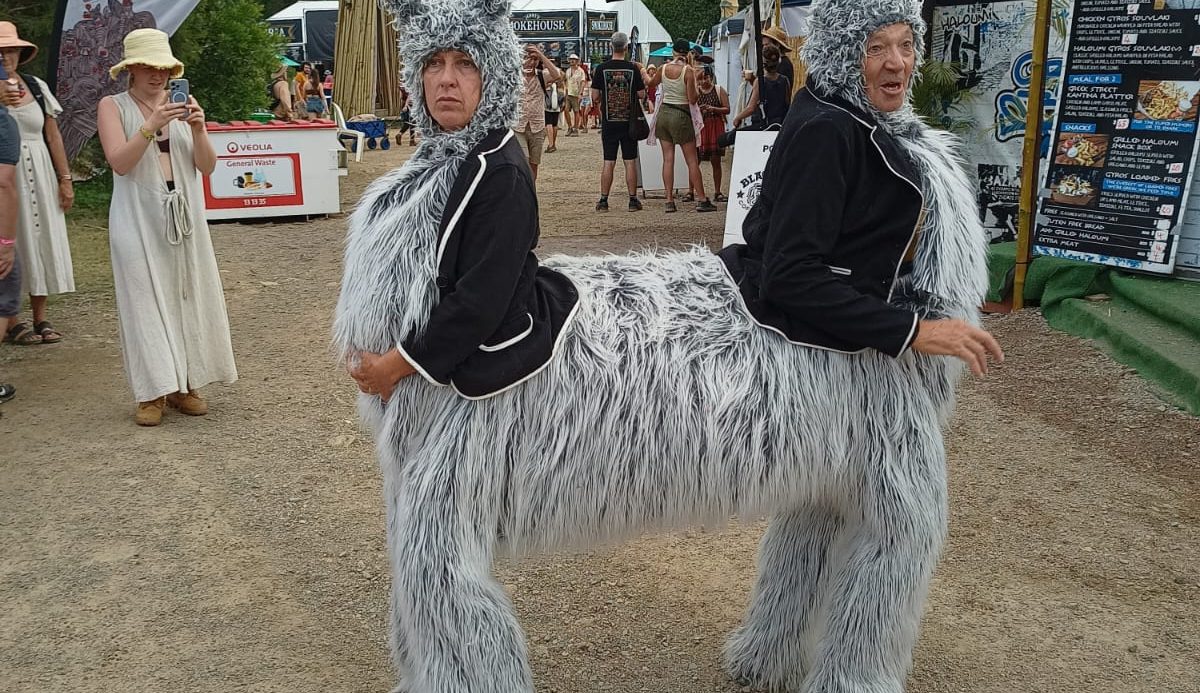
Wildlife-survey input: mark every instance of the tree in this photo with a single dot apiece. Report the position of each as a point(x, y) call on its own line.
point(270, 7)
point(35, 23)
point(686, 18)
point(230, 56)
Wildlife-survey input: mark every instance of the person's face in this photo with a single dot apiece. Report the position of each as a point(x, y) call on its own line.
point(888, 66)
point(574, 62)
point(149, 78)
point(308, 69)
point(453, 88)
point(704, 79)
point(10, 57)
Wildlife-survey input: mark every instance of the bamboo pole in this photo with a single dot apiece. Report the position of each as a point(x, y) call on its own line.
point(388, 49)
point(1034, 114)
point(355, 57)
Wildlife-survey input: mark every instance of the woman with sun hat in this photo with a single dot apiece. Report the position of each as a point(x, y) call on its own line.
point(170, 304)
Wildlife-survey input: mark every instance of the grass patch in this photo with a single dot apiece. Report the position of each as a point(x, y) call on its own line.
point(87, 227)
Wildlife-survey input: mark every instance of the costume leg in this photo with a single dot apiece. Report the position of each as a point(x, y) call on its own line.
point(773, 645)
point(880, 576)
point(458, 630)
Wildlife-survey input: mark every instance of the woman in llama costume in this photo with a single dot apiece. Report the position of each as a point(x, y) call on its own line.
point(664, 402)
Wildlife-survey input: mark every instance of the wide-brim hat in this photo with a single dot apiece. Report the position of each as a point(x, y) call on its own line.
point(780, 37)
point(149, 47)
point(10, 39)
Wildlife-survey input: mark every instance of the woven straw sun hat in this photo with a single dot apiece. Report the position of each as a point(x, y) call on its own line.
point(10, 39)
point(780, 37)
point(149, 47)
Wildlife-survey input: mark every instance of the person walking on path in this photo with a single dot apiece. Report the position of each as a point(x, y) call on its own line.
point(772, 92)
point(45, 192)
point(577, 81)
point(10, 270)
point(554, 101)
point(170, 304)
point(617, 86)
point(531, 120)
point(673, 124)
point(714, 106)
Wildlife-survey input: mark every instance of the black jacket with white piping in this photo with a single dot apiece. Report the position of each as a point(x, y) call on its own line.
point(832, 229)
point(499, 314)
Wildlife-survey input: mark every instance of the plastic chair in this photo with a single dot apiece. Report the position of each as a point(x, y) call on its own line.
point(360, 140)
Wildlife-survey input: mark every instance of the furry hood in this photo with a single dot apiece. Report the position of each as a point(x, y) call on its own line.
point(479, 28)
point(836, 46)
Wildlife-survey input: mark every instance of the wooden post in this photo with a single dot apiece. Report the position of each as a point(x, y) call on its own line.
point(1031, 154)
point(355, 58)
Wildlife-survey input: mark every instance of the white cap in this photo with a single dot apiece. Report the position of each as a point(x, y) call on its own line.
point(572, 57)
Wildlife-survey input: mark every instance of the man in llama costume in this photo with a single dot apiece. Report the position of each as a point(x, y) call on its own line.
point(652, 395)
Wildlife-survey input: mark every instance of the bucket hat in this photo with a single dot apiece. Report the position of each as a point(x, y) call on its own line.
point(780, 37)
point(10, 39)
point(149, 47)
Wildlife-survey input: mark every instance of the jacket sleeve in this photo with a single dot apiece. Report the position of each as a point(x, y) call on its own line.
point(811, 189)
point(499, 228)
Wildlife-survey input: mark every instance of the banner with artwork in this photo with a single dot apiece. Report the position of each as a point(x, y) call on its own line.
point(991, 44)
point(88, 43)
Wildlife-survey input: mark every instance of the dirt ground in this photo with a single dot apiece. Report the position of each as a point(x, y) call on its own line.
point(244, 551)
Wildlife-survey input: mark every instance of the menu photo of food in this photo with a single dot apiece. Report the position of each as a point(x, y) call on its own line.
point(1167, 100)
point(1076, 188)
point(1082, 150)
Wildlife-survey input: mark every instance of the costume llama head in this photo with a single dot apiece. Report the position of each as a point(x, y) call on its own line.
point(482, 30)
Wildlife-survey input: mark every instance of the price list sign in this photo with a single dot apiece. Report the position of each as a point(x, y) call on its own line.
point(1124, 136)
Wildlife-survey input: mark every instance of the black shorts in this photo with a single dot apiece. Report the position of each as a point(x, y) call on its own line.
point(552, 119)
point(615, 138)
point(10, 140)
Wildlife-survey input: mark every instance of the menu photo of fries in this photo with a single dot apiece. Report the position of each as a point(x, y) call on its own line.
point(1078, 189)
point(1167, 100)
point(1082, 150)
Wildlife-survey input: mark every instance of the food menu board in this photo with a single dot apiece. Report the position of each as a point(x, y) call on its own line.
point(1125, 135)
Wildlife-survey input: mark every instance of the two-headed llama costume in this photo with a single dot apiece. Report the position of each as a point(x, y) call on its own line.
point(664, 405)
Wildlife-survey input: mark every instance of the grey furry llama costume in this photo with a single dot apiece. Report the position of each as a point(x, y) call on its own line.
point(663, 406)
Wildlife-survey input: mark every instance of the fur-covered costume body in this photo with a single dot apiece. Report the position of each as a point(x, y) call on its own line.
point(664, 406)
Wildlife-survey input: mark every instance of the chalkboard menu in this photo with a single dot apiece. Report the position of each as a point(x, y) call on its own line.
point(1125, 135)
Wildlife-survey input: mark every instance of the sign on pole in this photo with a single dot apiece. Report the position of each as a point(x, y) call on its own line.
point(1124, 141)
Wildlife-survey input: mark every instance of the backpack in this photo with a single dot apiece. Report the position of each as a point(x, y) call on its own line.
point(35, 90)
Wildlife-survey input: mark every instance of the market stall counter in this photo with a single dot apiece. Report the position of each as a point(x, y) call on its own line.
point(274, 169)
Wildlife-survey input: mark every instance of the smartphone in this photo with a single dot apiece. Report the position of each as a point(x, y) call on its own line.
point(178, 91)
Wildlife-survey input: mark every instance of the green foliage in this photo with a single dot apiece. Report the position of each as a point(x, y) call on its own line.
point(938, 98)
point(35, 23)
point(686, 18)
point(230, 56)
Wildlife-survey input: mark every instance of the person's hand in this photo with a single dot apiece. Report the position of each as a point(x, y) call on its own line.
point(195, 114)
point(960, 339)
point(737, 123)
point(10, 92)
point(66, 194)
point(165, 113)
point(378, 374)
point(8, 254)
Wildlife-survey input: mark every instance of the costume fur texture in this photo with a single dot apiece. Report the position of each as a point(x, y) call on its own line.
point(664, 406)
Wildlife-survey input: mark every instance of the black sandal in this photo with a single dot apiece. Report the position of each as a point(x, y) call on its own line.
point(7, 392)
point(21, 334)
point(44, 327)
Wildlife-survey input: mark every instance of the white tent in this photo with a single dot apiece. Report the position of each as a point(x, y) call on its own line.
point(307, 38)
point(630, 14)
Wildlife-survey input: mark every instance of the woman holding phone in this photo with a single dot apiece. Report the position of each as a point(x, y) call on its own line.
point(170, 303)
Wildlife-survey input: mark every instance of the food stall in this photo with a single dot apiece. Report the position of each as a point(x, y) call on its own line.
point(274, 169)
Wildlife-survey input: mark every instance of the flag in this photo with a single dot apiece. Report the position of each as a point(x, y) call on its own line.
point(88, 42)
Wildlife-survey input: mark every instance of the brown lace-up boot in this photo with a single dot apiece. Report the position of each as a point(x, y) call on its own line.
point(190, 403)
point(150, 413)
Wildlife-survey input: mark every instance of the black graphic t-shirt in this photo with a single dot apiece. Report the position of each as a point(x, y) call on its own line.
point(618, 82)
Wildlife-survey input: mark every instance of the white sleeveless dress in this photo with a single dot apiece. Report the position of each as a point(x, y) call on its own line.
point(170, 303)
